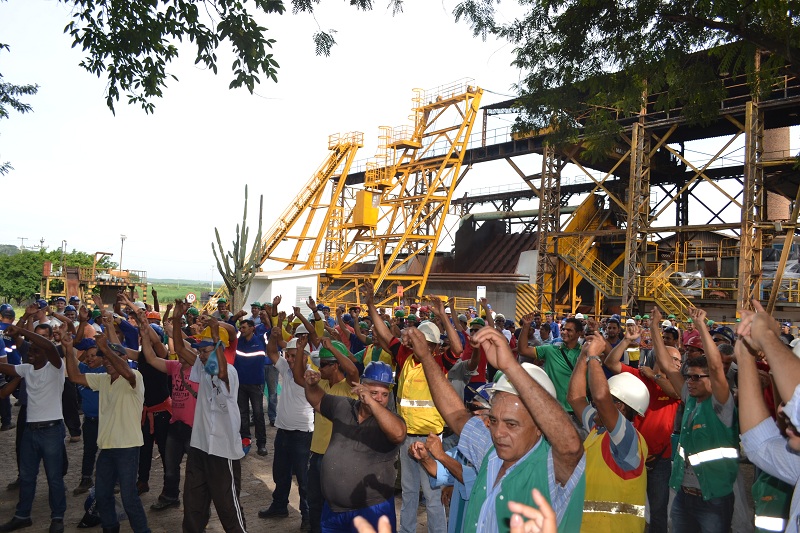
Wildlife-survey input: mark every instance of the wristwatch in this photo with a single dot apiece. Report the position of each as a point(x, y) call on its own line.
point(590, 357)
point(656, 377)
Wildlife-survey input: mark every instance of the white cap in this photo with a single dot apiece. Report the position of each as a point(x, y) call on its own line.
point(431, 332)
point(140, 305)
point(447, 310)
point(579, 316)
point(630, 322)
point(539, 375)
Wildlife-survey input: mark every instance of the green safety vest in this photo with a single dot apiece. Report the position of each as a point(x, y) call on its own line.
point(517, 486)
point(772, 498)
point(710, 447)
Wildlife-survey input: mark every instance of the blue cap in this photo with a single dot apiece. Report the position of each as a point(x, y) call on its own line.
point(73, 299)
point(42, 303)
point(158, 329)
point(61, 299)
point(69, 308)
point(7, 311)
point(85, 344)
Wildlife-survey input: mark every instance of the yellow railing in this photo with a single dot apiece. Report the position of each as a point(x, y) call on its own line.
point(590, 267)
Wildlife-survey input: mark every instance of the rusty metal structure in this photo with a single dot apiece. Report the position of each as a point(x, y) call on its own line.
point(621, 235)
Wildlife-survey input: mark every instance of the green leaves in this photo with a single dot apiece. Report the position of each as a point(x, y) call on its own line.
point(10, 98)
point(589, 61)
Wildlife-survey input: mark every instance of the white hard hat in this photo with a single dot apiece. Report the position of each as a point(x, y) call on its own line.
point(292, 343)
point(579, 316)
point(301, 329)
point(666, 324)
point(539, 375)
point(431, 332)
point(631, 391)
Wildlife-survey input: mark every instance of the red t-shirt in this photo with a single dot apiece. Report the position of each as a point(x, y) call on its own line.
point(466, 355)
point(401, 352)
point(656, 426)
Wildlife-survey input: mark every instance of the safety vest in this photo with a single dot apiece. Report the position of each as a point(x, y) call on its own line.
point(615, 499)
point(516, 486)
point(415, 403)
point(710, 447)
point(772, 498)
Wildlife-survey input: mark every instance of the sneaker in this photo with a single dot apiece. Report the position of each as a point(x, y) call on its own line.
point(14, 485)
point(272, 512)
point(164, 503)
point(305, 525)
point(56, 525)
point(75, 438)
point(262, 451)
point(7, 427)
point(272, 423)
point(142, 487)
point(85, 485)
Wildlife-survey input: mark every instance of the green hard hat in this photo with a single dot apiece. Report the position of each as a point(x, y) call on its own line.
point(325, 353)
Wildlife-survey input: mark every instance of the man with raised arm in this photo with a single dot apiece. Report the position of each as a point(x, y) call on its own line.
point(707, 461)
point(656, 427)
point(416, 408)
point(213, 471)
point(119, 434)
point(43, 436)
point(772, 446)
point(616, 485)
point(358, 470)
point(512, 453)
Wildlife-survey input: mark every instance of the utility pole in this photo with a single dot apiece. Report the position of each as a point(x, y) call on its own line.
point(121, 246)
point(22, 242)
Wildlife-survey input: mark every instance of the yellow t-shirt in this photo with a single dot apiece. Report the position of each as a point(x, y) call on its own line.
point(120, 414)
point(322, 426)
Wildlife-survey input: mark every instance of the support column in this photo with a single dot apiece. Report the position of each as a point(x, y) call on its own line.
point(549, 226)
point(753, 204)
point(638, 207)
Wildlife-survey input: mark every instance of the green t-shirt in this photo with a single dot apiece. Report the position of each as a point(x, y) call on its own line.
point(558, 364)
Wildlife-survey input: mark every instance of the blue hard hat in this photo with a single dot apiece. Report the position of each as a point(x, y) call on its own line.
point(74, 299)
point(379, 372)
point(61, 299)
point(158, 329)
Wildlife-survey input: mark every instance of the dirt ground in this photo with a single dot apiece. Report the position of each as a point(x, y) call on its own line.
point(256, 494)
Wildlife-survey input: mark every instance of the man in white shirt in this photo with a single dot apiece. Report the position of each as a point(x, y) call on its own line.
point(213, 470)
point(295, 423)
point(43, 437)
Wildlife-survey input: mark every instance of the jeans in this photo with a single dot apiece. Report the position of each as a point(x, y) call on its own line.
point(159, 436)
point(119, 464)
point(89, 445)
point(5, 410)
point(333, 522)
point(22, 420)
point(252, 394)
point(692, 514)
point(315, 498)
point(46, 445)
point(658, 472)
point(178, 439)
point(292, 449)
point(69, 408)
point(271, 375)
point(412, 477)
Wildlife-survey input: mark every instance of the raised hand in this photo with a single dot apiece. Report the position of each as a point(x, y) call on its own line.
point(98, 301)
point(434, 446)
point(595, 344)
point(656, 316)
point(83, 314)
point(698, 315)
point(632, 332)
point(417, 451)
point(495, 346)
point(32, 309)
point(312, 377)
point(367, 291)
point(311, 303)
point(418, 343)
point(276, 301)
point(527, 319)
point(541, 520)
point(296, 310)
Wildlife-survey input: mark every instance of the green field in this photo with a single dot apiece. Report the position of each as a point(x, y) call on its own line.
point(170, 289)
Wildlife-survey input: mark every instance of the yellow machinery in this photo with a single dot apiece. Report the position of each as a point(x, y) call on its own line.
point(392, 221)
point(84, 282)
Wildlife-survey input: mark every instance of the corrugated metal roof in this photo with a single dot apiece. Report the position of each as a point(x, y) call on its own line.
point(502, 254)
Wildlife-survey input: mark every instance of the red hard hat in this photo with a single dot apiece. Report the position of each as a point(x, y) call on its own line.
point(695, 342)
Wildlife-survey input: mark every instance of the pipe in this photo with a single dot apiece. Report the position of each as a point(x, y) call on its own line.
point(500, 215)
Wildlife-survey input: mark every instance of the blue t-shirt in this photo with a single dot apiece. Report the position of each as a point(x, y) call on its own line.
point(90, 399)
point(131, 335)
point(250, 360)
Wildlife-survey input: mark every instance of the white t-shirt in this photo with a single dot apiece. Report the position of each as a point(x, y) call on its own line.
point(44, 391)
point(294, 411)
point(216, 415)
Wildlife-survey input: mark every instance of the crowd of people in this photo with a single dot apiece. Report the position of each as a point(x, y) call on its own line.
point(567, 424)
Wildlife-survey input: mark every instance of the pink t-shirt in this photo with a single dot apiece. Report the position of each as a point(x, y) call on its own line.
point(184, 393)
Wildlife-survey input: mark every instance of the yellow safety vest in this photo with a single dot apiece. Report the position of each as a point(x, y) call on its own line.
point(615, 499)
point(415, 404)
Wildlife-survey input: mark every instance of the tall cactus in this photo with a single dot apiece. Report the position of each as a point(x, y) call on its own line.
point(239, 266)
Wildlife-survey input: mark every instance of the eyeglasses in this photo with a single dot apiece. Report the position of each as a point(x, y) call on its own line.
point(694, 377)
point(719, 339)
point(473, 407)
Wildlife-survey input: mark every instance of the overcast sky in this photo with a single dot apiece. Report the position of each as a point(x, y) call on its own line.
point(167, 180)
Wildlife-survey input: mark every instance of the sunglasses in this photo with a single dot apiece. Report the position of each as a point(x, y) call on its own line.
point(323, 365)
point(694, 377)
point(474, 330)
point(473, 407)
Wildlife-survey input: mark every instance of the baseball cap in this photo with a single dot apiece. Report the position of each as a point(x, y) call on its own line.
point(42, 303)
point(61, 299)
point(630, 322)
point(73, 299)
point(787, 324)
point(140, 305)
point(695, 342)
